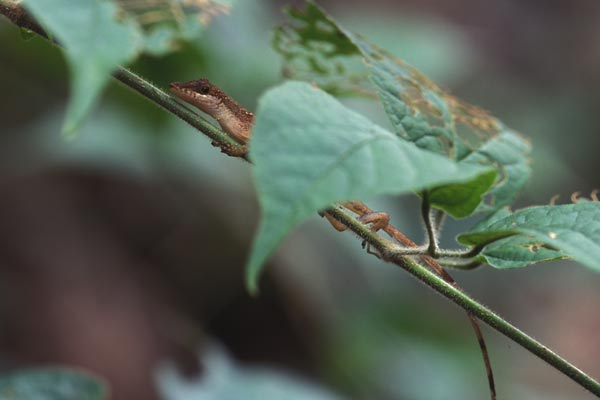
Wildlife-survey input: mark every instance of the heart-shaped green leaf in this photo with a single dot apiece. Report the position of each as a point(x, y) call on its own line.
point(310, 151)
point(316, 47)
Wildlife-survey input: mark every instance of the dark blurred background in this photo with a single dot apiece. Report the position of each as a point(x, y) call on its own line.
point(125, 247)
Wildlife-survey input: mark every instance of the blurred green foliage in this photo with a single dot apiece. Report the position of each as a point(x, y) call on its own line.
point(52, 384)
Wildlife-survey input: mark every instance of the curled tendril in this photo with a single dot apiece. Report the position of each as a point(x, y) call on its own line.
point(576, 197)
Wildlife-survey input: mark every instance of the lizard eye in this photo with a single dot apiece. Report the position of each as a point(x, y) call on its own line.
point(204, 89)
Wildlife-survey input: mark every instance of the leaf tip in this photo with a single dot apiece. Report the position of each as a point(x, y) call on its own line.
point(252, 288)
point(70, 127)
point(252, 275)
point(69, 130)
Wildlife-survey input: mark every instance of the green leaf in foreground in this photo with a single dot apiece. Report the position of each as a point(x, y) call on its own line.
point(94, 42)
point(310, 151)
point(569, 230)
point(52, 384)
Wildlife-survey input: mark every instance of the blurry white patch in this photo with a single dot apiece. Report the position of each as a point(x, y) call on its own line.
point(224, 379)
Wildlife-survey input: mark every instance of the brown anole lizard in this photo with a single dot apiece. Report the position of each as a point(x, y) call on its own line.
point(237, 122)
point(234, 119)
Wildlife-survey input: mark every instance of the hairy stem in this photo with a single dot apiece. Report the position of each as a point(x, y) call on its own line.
point(467, 303)
point(429, 225)
point(363, 210)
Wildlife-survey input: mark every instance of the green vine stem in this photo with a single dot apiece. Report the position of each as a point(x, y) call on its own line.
point(387, 249)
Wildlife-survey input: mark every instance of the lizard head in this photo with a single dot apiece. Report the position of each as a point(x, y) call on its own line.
point(201, 93)
point(234, 119)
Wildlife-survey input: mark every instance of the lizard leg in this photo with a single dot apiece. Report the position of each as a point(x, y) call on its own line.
point(231, 150)
point(334, 222)
point(376, 220)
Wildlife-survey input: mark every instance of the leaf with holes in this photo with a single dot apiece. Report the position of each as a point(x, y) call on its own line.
point(317, 48)
point(569, 230)
point(517, 252)
point(310, 151)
